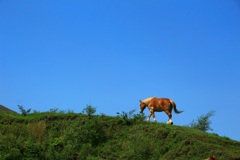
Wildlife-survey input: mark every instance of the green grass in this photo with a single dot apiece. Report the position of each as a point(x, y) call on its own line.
point(66, 135)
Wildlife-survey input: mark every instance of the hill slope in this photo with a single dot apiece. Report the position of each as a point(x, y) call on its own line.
point(77, 136)
point(5, 109)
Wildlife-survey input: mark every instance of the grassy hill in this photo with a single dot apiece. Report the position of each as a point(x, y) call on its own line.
point(5, 109)
point(53, 135)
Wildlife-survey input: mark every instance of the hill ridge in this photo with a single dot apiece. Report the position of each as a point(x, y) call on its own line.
point(78, 136)
point(5, 109)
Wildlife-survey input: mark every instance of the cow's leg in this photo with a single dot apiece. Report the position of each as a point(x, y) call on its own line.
point(149, 117)
point(169, 117)
point(153, 114)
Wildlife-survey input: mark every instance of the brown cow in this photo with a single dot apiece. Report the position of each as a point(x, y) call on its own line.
point(158, 105)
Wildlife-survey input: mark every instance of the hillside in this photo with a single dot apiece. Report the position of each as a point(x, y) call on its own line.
point(76, 136)
point(5, 109)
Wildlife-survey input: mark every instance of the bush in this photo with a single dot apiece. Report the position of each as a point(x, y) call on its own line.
point(23, 111)
point(139, 117)
point(203, 122)
point(95, 134)
point(126, 115)
point(89, 110)
point(130, 117)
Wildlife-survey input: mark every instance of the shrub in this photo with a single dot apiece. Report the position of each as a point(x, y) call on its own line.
point(95, 134)
point(131, 117)
point(90, 110)
point(203, 122)
point(23, 111)
point(126, 115)
point(139, 117)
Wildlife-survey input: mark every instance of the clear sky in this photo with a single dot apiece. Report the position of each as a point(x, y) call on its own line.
point(112, 53)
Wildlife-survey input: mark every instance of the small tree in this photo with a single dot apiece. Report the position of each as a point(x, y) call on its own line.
point(203, 122)
point(89, 110)
point(23, 111)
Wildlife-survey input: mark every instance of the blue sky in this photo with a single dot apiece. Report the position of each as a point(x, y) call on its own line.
point(110, 54)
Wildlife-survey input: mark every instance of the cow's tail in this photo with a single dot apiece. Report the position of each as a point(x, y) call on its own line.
point(175, 107)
